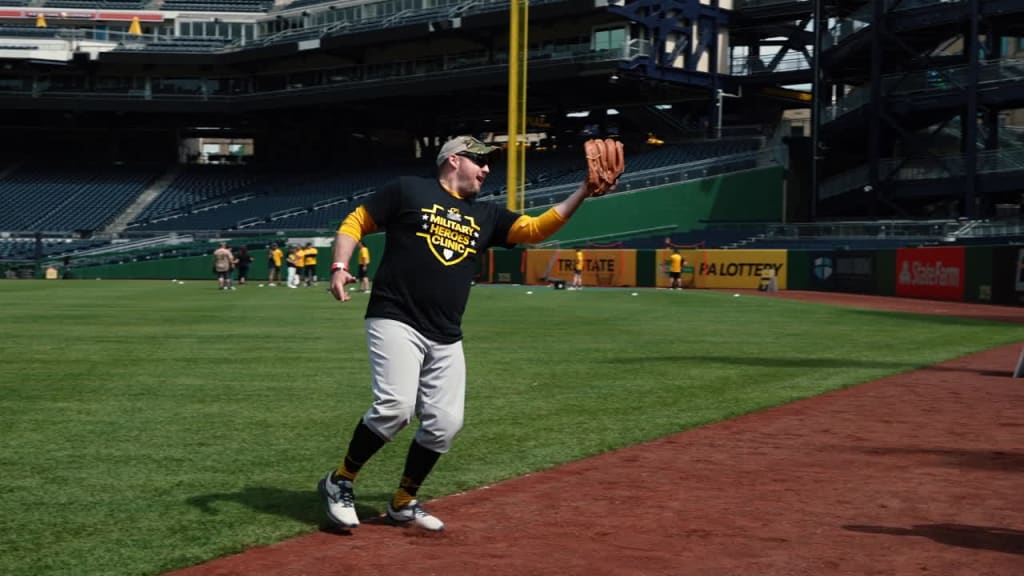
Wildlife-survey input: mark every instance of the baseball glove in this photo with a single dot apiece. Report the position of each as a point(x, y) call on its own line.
point(605, 163)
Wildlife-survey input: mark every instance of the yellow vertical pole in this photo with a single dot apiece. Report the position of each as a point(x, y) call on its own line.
point(524, 46)
point(517, 52)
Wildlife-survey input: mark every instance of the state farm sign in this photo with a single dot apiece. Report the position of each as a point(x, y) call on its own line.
point(936, 273)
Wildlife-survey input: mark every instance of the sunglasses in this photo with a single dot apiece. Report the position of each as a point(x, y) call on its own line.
point(480, 160)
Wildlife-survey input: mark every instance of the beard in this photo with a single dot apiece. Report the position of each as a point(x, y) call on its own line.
point(468, 187)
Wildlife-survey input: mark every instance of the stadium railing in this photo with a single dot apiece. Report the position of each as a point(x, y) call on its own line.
point(924, 168)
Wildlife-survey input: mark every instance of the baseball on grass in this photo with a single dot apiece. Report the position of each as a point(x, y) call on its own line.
point(633, 294)
point(735, 295)
point(529, 291)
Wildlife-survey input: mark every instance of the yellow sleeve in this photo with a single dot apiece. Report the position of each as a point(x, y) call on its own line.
point(527, 229)
point(357, 223)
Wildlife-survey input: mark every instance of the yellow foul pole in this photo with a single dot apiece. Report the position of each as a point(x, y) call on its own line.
point(517, 60)
point(524, 47)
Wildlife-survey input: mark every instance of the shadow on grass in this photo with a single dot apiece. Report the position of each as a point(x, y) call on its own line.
point(302, 505)
point(794, 362)
point(965, 536)
point(954, 317)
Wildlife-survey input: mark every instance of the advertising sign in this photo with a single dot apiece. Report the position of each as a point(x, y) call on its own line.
point(601, 267)
point(740, 268)
point(822, 270)
point(936, 273)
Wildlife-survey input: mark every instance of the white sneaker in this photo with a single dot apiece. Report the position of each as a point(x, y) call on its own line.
point(340, 501)
point(413, 512)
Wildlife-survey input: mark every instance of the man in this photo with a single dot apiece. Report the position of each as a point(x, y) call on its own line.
point(364, 267)
point(435, 233)
point(274, 258)
point(309, 259)
point(300, 265)
point(292, 263)
point(223, 261)
point(675, 269)
point(577, 271)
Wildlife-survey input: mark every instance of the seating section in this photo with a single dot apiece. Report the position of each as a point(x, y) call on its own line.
point(239, 197)
point(196, 186)
point(217, 5)
point(97, 4)
point(306, 3)
point(179, 44)
point(268, 199)
point(837, 243)
point(706, 238)
point(25, 248)
point(568, 166)
point(64, 199)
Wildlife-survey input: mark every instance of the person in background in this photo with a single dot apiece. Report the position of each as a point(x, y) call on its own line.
point(223, 261)
point(364, 267)
point(309, 262)
point(675, 270)
point(300, 265)
point(577, 271)
point(274, 260)
point(242, 262)
point(293, 274)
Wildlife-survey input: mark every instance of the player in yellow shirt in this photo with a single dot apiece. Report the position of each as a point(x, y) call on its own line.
point(300, 265)
point(577, 271)
point(675, 269)
point(309, 258)
point(364, 267)
point(292, 263)
point(274, 259)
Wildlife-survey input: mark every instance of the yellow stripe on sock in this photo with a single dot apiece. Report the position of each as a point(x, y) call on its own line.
point(342, 472)
point(401, 499)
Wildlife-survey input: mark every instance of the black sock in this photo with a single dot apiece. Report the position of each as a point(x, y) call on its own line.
point(364, 444)
point(418, 464)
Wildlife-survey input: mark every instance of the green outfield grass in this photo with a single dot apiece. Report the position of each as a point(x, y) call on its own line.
point(150, 425)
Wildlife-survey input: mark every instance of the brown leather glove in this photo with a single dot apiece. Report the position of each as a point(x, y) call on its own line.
point(605, 163)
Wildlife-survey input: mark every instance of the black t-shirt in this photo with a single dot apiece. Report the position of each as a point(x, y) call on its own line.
point(432, 243)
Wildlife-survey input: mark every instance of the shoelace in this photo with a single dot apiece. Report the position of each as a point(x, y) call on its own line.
point(346, 497)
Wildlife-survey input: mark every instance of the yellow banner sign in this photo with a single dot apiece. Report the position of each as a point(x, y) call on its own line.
point(600, 267)
point(739, 268)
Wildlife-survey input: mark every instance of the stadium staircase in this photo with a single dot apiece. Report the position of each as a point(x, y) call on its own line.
point(142, 202)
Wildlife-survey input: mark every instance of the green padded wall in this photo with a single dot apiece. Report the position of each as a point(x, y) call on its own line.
point(751, 196)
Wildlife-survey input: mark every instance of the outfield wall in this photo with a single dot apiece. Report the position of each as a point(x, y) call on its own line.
point(986, 274)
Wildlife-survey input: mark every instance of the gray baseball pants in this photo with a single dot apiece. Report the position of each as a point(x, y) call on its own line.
point(415, 376)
